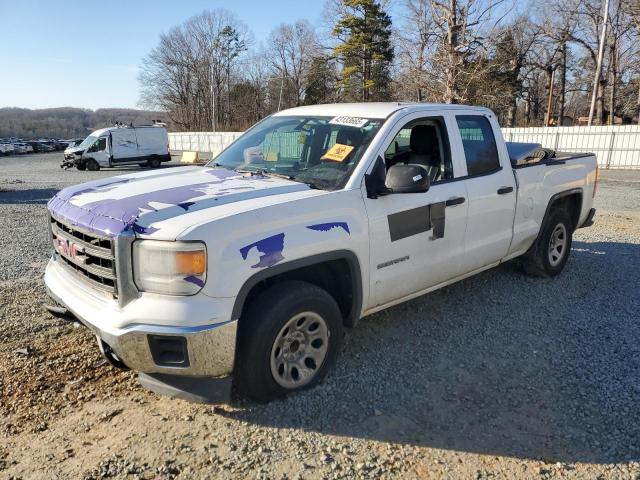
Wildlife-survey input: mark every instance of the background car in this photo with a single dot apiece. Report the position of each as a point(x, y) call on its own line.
point(20, 147)
point(41, 147)
point(7, 149)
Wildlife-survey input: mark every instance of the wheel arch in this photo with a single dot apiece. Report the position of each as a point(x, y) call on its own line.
point(338, 272)
point(570, 199)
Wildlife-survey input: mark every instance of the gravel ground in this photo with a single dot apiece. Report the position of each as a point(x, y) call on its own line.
point(498, 376)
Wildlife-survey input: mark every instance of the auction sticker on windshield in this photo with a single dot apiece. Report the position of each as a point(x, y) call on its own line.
point(349, 121)
point(338, 152)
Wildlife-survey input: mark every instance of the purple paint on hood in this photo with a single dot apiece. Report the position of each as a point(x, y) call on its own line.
point(111, 216)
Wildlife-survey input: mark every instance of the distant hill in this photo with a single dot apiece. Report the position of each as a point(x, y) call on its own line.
point(68, 122)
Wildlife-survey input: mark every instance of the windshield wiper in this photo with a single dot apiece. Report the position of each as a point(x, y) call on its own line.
point(268, 173)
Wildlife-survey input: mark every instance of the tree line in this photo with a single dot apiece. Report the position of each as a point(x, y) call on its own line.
point(533, 63)
point(68, 122)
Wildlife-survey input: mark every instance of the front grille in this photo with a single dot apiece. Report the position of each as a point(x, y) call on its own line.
point(88, 255)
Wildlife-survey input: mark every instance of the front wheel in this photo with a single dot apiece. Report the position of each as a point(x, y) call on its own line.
point(550, 253)
point(81, 165)
point(92, 165)
point(289, 338)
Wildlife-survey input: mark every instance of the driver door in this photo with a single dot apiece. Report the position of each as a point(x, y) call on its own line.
point(417, 239)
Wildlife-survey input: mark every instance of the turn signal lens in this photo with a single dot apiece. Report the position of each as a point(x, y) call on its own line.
point(191, 263)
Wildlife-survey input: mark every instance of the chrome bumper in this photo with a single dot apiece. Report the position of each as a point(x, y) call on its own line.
point(210, 350)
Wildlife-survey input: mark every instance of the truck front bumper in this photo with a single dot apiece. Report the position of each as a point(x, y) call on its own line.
point(196, 350)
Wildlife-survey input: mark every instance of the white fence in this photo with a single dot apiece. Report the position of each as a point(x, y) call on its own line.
point(616, 146)
point(209, 142)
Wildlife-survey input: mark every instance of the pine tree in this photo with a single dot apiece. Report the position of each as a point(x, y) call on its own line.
point(364, 50)
point(320, 81)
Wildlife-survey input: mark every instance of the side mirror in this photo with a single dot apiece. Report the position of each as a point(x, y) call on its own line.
point(374, 181)
point(410, 178)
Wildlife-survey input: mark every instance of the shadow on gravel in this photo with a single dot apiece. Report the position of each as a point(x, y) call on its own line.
point(499, 364)
point(34, 196)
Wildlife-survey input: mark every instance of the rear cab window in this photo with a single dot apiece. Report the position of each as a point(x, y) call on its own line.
point(479, 143)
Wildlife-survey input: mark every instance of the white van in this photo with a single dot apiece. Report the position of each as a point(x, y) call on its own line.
point(121, 145)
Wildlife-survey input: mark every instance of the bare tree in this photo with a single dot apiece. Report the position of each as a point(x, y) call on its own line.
point(190, 73)
point(291, 49)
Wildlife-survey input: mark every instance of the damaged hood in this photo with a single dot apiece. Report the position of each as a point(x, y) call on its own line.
point(72, 150)
point(140, 201)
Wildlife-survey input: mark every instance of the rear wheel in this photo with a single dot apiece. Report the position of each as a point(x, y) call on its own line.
point(289, 338)
point(550, 253)
point(153, 162)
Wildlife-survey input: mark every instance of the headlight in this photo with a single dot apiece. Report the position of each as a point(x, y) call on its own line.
point(172, 268)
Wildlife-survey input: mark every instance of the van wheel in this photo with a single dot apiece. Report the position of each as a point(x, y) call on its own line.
point(81, 165)
point(153, 162)
point(288, 338)
point(550, 253)
point(92, 165)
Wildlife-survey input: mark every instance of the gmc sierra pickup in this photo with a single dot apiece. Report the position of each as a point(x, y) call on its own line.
point(249, 270)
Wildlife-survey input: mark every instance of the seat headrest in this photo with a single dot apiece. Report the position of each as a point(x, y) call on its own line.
point(349, 136)
point(424, 139)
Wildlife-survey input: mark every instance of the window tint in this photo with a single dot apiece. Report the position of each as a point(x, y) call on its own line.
point(479, 144)
point(102, 144)
point(423, 142)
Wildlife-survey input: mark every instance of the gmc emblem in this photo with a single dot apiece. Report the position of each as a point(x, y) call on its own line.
point(69, 249)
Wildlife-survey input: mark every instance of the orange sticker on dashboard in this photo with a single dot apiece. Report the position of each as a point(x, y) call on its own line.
point(338, 152)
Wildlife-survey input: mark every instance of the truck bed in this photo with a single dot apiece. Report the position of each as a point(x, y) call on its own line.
point(531, 154)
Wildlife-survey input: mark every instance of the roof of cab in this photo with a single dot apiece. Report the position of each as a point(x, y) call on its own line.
point(368, 109)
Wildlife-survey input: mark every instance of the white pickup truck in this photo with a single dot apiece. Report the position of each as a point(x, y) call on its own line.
point(250, 269)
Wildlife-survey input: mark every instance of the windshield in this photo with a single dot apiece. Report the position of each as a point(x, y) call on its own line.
point(320, 151)
point(87, 142)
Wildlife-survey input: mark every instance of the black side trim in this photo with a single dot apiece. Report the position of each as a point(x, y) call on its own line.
point(409, 222)
point(348, 255)
point(437, 219)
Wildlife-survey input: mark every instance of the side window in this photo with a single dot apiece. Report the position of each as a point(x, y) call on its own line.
point(424, 142)
point(479, 144)
point(102, 144)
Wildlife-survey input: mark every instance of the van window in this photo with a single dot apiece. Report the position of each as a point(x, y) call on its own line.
point(102, 144)
point(479, 144)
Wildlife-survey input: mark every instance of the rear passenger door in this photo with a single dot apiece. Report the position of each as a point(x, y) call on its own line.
point(491, 193)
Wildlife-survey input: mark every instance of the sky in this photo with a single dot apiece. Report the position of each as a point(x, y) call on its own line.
point(86, 54)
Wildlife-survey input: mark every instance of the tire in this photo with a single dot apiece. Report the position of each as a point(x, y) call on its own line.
point(92, 165)
point(288, 338)
point(81, 165)
point(548, 256)
point(153, 162)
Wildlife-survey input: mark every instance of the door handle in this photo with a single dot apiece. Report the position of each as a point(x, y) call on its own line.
point(505, 190)
point(454, 201)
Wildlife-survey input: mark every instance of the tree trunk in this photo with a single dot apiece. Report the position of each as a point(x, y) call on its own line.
point(550, 76)
point(563, 85)
point(612, 90)
point(600, 102)
point(452, 94)
point(638, 104)
point(511, 113)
